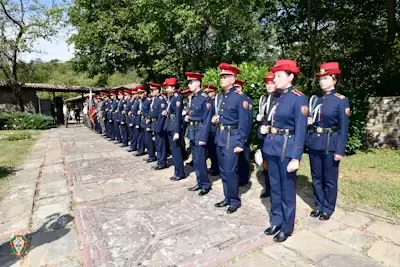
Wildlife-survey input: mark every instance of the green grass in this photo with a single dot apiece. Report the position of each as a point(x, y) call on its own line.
point(14, 146)
point(369, 178)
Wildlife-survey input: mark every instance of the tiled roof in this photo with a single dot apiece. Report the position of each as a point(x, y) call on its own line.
point(57, 87)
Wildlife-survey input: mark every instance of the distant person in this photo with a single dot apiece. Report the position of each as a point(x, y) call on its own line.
point(77, 114)
point(66, 114)
point(85, 113)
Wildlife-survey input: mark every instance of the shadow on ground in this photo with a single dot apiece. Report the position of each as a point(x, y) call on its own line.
point(5, 171)
point(54, 228)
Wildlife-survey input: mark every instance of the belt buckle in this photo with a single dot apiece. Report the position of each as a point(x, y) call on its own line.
point(222, 127)
point(191, 123)
point(319, 130)
point(274, 130)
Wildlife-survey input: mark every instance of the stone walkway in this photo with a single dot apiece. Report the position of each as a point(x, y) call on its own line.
point(87, 202)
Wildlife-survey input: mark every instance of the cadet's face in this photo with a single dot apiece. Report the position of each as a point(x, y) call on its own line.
point(283, 80)
point(326, 83)
point(211, 94)
point(239, 88)
point(120, 96)
point(193, 85)
point(154, 92)
point(271, 87)
point(170, 89)
point(227, 80)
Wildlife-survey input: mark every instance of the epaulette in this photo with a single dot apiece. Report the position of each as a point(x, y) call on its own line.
point(161, 97)
point(239, 92)
point(296, 92)
point(339, 96)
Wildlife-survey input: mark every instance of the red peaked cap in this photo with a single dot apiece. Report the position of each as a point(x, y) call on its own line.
point(134, 90)
point(194, 75)
point(104, 94)
point(120, 92)
point(226, 68)
point(165, 93)
point(286, 65)
point(186, 91)
point(127, 92)
point(140, 88)
point(239, 82)
point(328, 68)
point(269, 77)
point(171, 82)
point(154, 85)
point(209, 87)
point(113, 93)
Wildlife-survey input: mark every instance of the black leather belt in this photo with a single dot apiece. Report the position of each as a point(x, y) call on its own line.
point(145, 118)
point(318, 129)
point(228, 127)
point(278, 131)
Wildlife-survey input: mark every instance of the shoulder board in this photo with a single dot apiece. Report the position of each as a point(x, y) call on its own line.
point(297, 92)
point(204, 94)
point(160, 97)
point(239, 92)
point(339, 96)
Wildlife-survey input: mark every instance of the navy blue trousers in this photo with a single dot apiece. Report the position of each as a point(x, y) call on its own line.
point(283, 193)
point(228, 160)
point(266, 175)
point(149, 143)
point(212, 152)
point(124, 133)
point(176, 150)
point(140, 140)
point(243, 169)
point(161, 149)
point(117, 132)
point(199, 164)
point(324, 172)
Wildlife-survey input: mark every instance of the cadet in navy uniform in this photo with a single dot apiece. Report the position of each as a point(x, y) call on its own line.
point(186, 96)
point(266, 110)
point(129, 117)
point(243, 168)
point(123, 118)
point(146, 127)
point(212, 149)
point(132, 115)
point(139, 131)
point(103, 116)
point(232, 120)
point(158, 105)
point(283, 146)
point(199, 122)
point(117, 117)
point(173, 126)
point(326, 140)
point(111, 115)
point(105, 113)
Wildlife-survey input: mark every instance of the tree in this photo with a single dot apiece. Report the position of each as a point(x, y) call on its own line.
point(22, 24)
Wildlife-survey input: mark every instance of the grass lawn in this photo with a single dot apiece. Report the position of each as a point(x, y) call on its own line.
point(13, 153)
point(370, 178)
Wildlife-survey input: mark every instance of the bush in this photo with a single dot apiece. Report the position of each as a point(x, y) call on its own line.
point(24, 121)
point(18, 136)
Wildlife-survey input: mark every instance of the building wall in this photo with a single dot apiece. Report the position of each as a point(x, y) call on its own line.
point(383, 122)
point(8, 102)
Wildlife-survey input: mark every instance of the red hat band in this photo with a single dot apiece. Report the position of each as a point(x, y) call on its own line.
point(239, 83)
point(171, 82)
point(154, 85)
point(226, 68)
point(286, 65)
point(328, 68)
point(269, 77)
point(193, 75)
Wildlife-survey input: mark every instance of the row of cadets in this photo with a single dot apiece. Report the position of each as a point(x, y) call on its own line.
point(198, 129)
point(145, 124)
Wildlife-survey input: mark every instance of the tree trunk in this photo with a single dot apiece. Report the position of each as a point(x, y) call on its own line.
point(16, 89)
point(391, 31)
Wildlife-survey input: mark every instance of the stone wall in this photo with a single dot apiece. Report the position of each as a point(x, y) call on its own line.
point(8, 101)
point(383, 122)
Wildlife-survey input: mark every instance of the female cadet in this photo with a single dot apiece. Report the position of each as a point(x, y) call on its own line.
point(283, 147)
point(266, 109)
point(326, 140)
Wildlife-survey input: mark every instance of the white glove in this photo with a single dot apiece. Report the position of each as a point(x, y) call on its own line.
point(264, 129)
point(176, 137)
point(259, 117)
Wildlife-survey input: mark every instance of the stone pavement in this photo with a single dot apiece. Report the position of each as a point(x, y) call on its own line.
point(87, 202)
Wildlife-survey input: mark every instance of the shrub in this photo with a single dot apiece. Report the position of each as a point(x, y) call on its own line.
point(24, 121)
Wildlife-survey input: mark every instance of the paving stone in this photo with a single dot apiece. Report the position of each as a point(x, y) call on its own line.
point(54, 200)
point(386, 253)
point(286, 257)
point(53, 178)
point(386, 230)
point(114, 187)
point(87, 156)
point(53, 189)
point(73, 157)
point(351, 218)
point(87, 192)
point(254, 259)
point(15, 209)
point(11, 261)
point(46, 213)
point(70, 263)
point(16, 225)
point(52, 247)
point(319, 226)
point(353, 238)
point(325, 252)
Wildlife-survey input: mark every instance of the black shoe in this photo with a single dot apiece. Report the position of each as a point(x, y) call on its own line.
point(265, 194)
point(232, 209)
point(242, 184)
point(130, 150)
point(273, 229)
point(139, 154)
point(324, 216)
point(315, 213)
point(157, 168)
point(178, 178)
point(221, 204)
point(124, 145)
point(194, 188)
point(213, 173)
point(281, 237)
point(204, 191)
point(150, 160)
point(172, 178)
point(190, 163)
point(116, 142)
